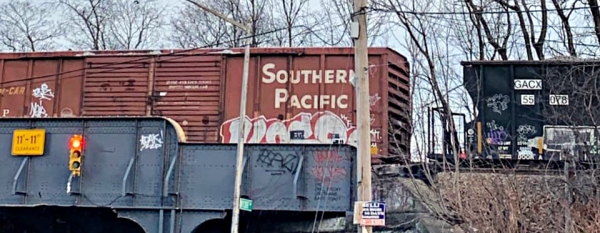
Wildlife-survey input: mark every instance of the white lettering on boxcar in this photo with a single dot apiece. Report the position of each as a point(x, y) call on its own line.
point(308, 101)
point(5, 112)
point(188, 84)
point(282, 96)
point(306, 76)
point(559, 99)
point(528, 84)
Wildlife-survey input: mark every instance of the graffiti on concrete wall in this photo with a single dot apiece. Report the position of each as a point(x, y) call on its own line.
point(323, 127)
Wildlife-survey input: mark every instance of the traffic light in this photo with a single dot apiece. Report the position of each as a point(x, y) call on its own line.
point(75, 153)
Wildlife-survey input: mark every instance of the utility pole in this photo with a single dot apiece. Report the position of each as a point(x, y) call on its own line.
point(235, 217)
point(363, 115)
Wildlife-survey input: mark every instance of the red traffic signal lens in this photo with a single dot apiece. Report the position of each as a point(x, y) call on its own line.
point(76, 142)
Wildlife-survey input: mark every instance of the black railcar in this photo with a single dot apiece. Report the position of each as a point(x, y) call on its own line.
point(531, 110)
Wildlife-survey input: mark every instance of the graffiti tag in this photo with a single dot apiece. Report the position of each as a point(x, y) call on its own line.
point(524, 131)
point(319, 128)
point(43, 92)
point(498, 103)
point(151, 141)
point(278, 164)
point(328, 167)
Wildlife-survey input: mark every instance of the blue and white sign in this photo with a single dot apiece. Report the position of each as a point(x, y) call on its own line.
point(373, 214)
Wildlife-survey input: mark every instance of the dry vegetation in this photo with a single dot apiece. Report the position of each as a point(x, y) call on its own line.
point(521, 203)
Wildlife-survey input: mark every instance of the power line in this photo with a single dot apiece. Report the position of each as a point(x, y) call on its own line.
point(471, 13)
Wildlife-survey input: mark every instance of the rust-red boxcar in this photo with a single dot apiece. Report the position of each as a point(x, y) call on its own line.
point(296, 95)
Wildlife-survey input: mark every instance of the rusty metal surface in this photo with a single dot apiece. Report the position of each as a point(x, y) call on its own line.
point(188, 89)
point(40, 88)
point(114, 86)
point(200, 89)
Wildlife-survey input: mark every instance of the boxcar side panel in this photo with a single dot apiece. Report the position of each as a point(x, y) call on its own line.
point(40, 87)
point(188, 90)
point(116, 86)
point(303, 99)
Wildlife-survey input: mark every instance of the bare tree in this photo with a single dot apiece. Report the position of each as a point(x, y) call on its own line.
point(335, 17)
point(562, 8)
point(27, 26)
point(89, 18)
point(113, 24)
point(290, 14)
point(496, 29)
point(210, 31)
point(136, 24)
point(595, 15)
point(191, 30)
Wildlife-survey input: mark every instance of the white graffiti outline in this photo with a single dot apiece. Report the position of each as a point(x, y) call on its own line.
point(37, 109)
point(151, 141)
point(318, 127)
point(525, 130)
point(373, 100)
point(498, 103)
point(493, 126)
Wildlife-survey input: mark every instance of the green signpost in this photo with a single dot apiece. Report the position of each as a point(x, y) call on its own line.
point(245, 204)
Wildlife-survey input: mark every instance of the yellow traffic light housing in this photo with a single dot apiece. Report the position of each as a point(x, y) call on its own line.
point(75, 153)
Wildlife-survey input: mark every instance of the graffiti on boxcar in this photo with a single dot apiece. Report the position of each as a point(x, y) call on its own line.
point(328, 172)
point(498, 137)
point(151, 141)
point(41, 93)
point(525, 144)
point(496, 133)
point(373, 100)
point(277, 163)
point(525, 130)
point(319, 128)
point(498, 103)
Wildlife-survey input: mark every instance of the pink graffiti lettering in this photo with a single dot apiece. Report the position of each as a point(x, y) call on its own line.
point(318, 128)
point(328, 168)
